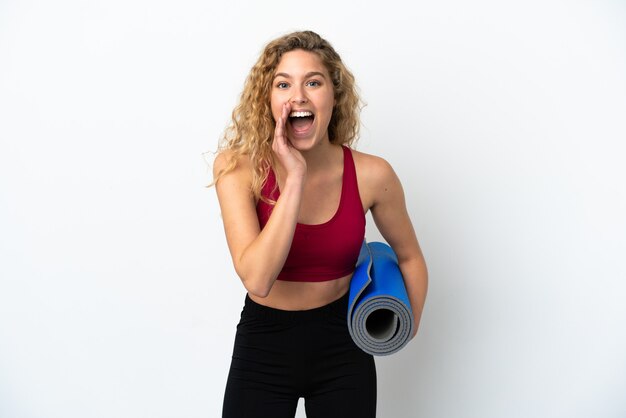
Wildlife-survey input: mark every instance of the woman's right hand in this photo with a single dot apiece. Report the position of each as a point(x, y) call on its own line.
point(290, 158)
point(259, 254)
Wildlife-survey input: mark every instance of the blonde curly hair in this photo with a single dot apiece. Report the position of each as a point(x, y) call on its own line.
point(251, 130)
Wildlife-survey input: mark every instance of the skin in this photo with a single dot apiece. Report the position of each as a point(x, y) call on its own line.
point(309, 175)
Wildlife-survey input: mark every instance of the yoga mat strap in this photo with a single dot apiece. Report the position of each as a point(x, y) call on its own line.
point(380, 319)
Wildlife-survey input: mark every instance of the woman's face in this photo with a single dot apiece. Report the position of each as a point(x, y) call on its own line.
point(302, 80)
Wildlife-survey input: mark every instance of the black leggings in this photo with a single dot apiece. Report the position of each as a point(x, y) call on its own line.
point(280, 356)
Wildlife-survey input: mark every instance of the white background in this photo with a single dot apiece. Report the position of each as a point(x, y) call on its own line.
point(504, 120)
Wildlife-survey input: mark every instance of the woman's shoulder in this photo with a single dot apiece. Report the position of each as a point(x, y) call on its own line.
point(229, 163)
point(375, 177)
point(372, 167)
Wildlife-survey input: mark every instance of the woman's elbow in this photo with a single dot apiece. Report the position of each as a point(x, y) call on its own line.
point(258, 291)
point(257, 285)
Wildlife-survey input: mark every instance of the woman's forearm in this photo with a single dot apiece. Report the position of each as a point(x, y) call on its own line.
point(415, 276)
point(261, 262)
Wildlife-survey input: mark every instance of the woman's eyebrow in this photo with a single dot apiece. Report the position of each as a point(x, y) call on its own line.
point(307, 75)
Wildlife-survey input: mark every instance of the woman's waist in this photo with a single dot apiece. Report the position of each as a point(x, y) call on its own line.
point(298, 296)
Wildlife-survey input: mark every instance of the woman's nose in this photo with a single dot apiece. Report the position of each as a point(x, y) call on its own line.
point(298, 100)
point(298, 97)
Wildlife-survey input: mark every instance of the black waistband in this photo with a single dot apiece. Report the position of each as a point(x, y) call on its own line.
point(337, 307)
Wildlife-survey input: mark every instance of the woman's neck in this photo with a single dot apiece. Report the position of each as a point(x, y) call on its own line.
point(321, 157)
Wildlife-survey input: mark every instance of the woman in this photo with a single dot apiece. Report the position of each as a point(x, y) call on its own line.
point(293, 198)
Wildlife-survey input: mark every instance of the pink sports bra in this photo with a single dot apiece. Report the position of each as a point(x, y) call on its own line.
point(324, 251)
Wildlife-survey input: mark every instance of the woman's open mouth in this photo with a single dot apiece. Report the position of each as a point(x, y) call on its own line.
point(301, 121)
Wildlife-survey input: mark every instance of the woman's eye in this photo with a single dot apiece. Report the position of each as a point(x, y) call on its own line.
point(282, 85)
point(314, 83)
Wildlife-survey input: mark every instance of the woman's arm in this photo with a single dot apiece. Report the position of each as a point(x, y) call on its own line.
point(259, 255)
point(388, 206)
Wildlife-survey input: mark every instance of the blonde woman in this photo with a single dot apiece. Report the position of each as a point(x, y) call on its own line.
point(293, 196)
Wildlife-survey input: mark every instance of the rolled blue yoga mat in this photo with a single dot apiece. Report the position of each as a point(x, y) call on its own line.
point(380, 319)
